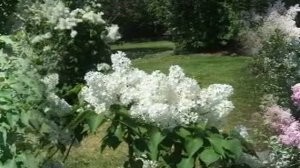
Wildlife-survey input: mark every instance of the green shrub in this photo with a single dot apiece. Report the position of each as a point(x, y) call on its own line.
point(201, 25)
point(34, 121)
point(278, 64)
point(7, 8)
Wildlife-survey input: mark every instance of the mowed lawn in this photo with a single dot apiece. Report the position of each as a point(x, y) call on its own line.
point(206, 69)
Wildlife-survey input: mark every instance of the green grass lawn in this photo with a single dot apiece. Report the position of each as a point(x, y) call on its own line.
point(206, 69)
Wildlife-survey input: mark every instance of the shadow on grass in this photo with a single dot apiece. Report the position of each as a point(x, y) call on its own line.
point(134, 53)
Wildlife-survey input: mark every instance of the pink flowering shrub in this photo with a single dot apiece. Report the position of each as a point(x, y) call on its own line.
point(296, 95)
point(284, 124)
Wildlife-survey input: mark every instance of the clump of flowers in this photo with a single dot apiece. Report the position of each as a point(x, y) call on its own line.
point(66, 38)
point(259, 28)
point(156, 98)
point(284, 123)
point(278, 17)
point(55, 12)
point(296, 95)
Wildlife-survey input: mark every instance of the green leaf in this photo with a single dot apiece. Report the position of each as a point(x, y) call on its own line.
point(95, 121)
point(119, 132)
point(110, 141)
point(10, 164)
point(25, 116)
point(156, 137)
point(29, 160)
point(139, 146)
point(7, 40)
point(217, 142)
point(209, 156)
point(234, 146)
point(12, 119)
point(4, 134)
point(182, 132)
point(192, 145)
point(186, 163)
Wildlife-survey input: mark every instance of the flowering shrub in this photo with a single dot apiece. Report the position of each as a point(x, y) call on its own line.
point(165, 119)
point(278, 66)
point(69, 41)
point(259, 28)
point(287, 128)
point(165, 101)
point(281, 156)
point(296, 95)
point(34, 121)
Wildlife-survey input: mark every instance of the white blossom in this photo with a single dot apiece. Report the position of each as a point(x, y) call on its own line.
point(94, 17)
point(156, 98)
point(63, 18)
point(55, 102)
point(51, 80)
point(103, 67)
point(41, 38)
point(73, 33)
point(113, 33)
point(278, 17)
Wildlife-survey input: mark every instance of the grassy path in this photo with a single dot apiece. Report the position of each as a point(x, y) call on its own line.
point(205, 68)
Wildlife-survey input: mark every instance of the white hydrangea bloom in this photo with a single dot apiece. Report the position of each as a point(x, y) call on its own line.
point(55, 102)
point(58, 104)
point(41, 38)
point(73, 33)
point(63, 18)
point(113, 33)
point(103, 67)
point(51, 81)
point(120, 62)
point(164, 100)
point(94, 17)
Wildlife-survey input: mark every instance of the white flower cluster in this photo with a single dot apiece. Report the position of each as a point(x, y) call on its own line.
point(56, 103)
point(259, 28)
point(148, 163)
point(40, 38)
point(113, 33)
point(278, 17)
point(163, 100)
point(57, 14)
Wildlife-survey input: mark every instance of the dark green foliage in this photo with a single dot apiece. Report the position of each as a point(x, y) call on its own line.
point(181, 147)
point(199, 25)
point(34, 125)
point(7, 8)
point(134, 18)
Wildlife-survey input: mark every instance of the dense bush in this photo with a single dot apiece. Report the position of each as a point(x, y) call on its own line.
point(278, 65)
point(65, 40)
point(7, 8)
point(52, 38)
point(33, 118)
point(134, 18)
point(278, 58)
point(200, 25)
point(166, 120)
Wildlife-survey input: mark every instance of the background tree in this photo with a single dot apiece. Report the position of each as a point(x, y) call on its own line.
point(134, 18)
